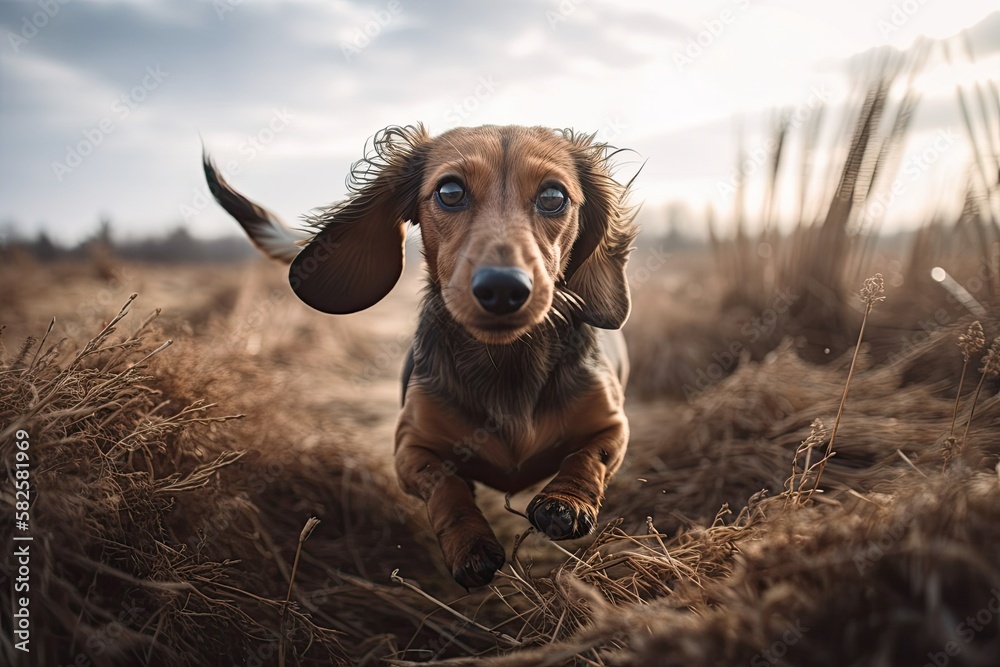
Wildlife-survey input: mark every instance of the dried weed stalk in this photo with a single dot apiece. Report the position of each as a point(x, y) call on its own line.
point(817, 435)
point(971, 342)
point(989, 369)
point(872, 292)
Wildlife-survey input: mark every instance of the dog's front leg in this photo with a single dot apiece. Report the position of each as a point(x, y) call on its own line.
point(470, 548)
point(569, 504)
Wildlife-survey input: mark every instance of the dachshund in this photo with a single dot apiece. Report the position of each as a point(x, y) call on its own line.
point(517, 368)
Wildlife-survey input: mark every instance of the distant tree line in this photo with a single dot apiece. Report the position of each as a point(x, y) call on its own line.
point(179, 246)
point(176, 246)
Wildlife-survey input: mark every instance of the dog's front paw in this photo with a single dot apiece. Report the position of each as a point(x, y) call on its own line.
point(561, 517)
point(479, 564)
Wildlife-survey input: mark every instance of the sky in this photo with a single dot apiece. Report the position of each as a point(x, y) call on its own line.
point(104, 104)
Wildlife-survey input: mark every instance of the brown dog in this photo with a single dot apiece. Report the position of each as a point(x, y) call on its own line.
point(511, 377)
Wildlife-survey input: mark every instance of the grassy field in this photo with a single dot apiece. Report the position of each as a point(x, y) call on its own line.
point(172, 482)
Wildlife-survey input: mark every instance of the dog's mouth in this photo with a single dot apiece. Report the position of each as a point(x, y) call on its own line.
point(499, 312)
point(499, 332)
point(507, 328)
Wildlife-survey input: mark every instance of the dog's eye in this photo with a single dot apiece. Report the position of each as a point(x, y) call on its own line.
point(551, 200)
point(451, 195)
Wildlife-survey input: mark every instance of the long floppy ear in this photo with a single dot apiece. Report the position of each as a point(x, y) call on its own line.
point(356, 254)
point(596, 269)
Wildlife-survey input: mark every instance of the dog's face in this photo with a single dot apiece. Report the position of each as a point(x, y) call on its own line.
point(499, 214)
point(511, 218)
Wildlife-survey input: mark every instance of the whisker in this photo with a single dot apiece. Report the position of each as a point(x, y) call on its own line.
point(555, 312)
point(490, 357)
point(570, 301)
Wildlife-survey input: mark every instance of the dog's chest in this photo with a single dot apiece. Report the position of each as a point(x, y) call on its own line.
point(510, 450)
point(510, 413)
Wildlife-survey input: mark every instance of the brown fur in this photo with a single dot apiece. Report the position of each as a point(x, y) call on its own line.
point(509, 399)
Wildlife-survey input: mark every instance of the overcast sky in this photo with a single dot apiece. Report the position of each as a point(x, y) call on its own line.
point(104, 104)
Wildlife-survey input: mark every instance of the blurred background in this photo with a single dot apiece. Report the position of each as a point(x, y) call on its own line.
point(105, 103)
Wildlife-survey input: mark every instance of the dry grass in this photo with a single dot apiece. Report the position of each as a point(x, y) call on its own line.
point(172, 529)
point(113, 461)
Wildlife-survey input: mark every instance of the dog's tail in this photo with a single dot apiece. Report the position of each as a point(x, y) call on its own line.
point(266, 231)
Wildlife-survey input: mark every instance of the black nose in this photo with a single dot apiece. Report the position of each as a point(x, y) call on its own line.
point(501, 290)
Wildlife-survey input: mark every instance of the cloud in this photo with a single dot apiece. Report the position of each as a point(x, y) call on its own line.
point(342, 70)
point(985, 35)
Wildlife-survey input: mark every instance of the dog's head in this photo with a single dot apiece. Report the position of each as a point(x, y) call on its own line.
point(512, 218)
